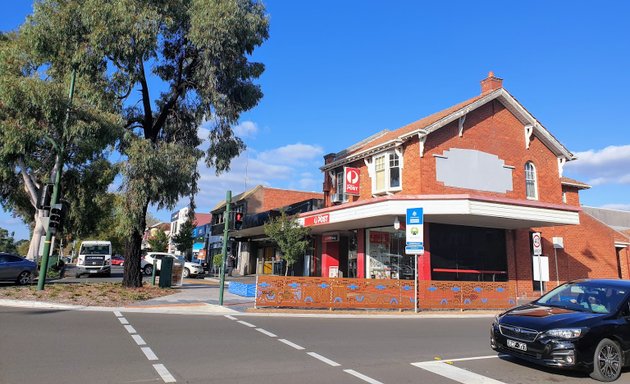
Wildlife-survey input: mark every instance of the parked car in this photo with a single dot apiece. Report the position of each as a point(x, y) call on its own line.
point(190, 269)
point(582, 325)
point(16, 268)
point(118, 260)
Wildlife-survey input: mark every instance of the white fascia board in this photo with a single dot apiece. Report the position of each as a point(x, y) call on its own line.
point(454, 207)
point(518, 212)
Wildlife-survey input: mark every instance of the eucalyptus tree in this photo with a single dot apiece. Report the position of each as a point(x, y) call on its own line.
point(33, 110)
point(174, 63)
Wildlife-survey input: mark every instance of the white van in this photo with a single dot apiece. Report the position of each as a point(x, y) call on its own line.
point(95, 258)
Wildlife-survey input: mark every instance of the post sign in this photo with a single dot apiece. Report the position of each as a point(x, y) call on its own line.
point(351, 180)
point(316, 220)
point(537, 243)
point(415, 231)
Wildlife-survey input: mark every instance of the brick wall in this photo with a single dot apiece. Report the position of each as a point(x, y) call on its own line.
point(276, 198)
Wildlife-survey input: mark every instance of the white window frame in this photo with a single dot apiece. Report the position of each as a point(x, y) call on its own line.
point(340, 185)
point(387, 169)
point(531, 178)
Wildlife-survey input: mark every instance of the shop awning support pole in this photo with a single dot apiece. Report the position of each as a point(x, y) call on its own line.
point(415, 308)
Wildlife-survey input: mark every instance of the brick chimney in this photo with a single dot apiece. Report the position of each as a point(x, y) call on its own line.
point(491, 83)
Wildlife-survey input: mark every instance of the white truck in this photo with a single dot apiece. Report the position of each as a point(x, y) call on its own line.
point(95, 258)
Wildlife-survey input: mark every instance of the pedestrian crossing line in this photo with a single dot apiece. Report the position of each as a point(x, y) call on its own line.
point(446, 369)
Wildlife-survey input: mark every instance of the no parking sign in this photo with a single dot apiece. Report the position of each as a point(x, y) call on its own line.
point(537, 243)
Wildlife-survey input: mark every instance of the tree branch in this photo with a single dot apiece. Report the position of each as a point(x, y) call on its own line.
point(146, 102)
point(31, 187)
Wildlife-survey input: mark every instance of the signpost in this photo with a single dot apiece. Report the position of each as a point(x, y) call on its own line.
point(537, 247)
point(415, 242)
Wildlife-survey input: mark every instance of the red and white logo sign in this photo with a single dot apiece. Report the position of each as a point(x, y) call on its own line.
point(351, 180)
point(316, 220)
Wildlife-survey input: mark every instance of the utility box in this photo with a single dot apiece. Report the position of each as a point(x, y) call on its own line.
point(166, 272)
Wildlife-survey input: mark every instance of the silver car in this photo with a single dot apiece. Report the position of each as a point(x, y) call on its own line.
point(17, 269)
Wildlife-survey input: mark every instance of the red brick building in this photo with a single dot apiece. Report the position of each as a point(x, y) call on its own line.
point(487, 175)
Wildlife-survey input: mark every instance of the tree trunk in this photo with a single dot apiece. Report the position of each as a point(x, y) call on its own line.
point(132, 277)
point(38, 232)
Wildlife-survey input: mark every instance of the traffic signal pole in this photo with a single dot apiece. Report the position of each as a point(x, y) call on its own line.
point(226, 235)
point(54, 199)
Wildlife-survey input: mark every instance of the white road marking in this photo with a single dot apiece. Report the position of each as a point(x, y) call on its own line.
point(362, 376)
point(246, 323)
point(290, 344)
point(231, 317)
point(442, 368)
point(117, 314)
point(123, 320)
point(149, 353)
point(323, 359)
point(164, 373)
point(130, 329)
point(139, 340)
point(266, 332)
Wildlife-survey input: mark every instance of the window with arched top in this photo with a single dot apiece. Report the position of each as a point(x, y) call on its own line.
point(531, 188)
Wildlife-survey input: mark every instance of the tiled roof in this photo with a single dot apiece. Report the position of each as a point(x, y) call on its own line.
point(393, 135)
point(574, 183)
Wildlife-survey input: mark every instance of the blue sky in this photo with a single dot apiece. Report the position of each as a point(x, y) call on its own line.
point(339, 71)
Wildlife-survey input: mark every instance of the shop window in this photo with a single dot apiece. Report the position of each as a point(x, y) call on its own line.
point(386, 258)
point(530, 181)
point(386, 173)
point(462, 253)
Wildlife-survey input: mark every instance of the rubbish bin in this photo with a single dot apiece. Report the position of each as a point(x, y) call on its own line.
point(166, 270)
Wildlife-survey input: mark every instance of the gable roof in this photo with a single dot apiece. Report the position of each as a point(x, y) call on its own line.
point(429, 124)
point(574, 183)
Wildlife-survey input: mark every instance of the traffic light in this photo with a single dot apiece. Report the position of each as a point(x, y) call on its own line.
point(57, 214)
point(43, 200)
point(238, 220)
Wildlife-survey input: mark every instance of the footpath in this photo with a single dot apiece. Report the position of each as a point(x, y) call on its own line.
point(201, 297)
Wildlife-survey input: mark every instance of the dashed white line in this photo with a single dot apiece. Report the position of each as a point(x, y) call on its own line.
point(231, 317)
point(362, 376)
point(117, 314)
point(164, 373)
point(265, 332)
point(246, 323)
point(130, 329)
point(442, 368)
point(149, 353)
point(123, 320)
point(139, 340)
point(323, 359)
point(290, 344)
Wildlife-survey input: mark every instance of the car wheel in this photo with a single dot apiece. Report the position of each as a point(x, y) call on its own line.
point(78, 275)
point(24, 278)
point(186, 272)
point(607, 361)
point(148, 270)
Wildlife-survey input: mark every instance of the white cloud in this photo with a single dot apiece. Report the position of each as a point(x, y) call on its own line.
point(246, 129)
point(610, 165)
point(293, 153)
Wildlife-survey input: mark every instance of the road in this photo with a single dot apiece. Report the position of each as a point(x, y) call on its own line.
point(55, 346)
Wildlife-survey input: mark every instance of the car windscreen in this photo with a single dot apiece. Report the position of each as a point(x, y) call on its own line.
point(94, 250)
point(586, 297)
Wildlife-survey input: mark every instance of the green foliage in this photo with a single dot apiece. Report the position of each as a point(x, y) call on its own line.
point(198, 51)
point(217, 259)
point(22, 247)
point(290, 237)
point(7, 244)
point(159, 242)
point(184, 239)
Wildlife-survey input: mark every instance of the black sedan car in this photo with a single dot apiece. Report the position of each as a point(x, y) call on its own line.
point(17, 269)
point(583, 324)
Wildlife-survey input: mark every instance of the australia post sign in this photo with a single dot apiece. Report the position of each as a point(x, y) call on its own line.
point(316, 220)
point(351, 180)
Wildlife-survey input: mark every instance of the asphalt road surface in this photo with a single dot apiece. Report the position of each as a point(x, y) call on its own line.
point(108, 347)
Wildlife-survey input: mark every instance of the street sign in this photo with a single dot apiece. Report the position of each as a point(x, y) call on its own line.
point(537, 243)
point(414, 231)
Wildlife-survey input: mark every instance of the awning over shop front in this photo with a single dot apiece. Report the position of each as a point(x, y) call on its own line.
point(470, 210)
